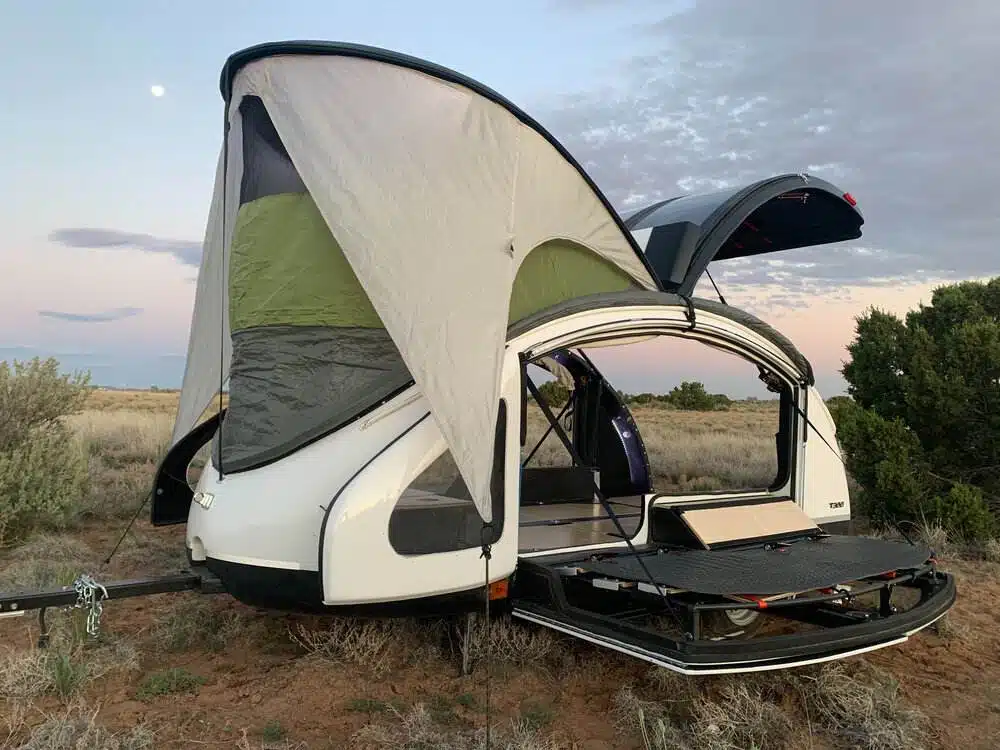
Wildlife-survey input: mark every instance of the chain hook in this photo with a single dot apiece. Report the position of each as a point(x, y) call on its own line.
point(86, 598)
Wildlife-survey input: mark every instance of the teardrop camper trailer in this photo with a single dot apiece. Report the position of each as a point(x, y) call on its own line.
point(390, 247)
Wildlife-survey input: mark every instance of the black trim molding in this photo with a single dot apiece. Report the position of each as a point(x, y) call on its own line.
point(300, 591)
point(172, 494)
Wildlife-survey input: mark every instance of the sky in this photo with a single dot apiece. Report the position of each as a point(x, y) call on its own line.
point(108, 185)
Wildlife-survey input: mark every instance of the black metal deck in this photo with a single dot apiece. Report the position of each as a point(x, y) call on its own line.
point(765, 570)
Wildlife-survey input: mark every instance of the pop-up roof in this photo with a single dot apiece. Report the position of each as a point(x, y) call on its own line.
point(384, 219)
point(682, 235)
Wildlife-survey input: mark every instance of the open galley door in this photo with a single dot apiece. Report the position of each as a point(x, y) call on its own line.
point(682, 235)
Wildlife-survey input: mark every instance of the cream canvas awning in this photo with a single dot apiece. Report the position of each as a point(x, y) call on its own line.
point(435, 193)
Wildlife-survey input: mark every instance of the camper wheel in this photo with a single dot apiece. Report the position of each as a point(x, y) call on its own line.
point(731, 623)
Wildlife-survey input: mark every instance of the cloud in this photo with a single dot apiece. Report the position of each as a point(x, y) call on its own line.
point(186, 251)
point(101, 317)
point(892, 104)
point(27, 351)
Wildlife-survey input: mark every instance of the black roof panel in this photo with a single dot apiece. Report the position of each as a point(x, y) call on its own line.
point(779, 213)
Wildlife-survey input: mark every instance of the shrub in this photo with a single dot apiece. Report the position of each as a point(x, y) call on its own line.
point(555, 393)
point(896, 479)
point(169, 682)
point(692, 396)
point(43, 470)
point(965, 514)
point(922, 433)
point(886, 460)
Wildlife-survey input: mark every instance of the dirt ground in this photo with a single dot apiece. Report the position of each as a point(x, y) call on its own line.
point(265, 690)
point(956, 680)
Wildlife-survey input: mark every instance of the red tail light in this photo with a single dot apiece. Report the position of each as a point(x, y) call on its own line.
point(850, 199)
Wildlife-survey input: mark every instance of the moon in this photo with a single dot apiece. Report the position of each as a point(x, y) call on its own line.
point(157, 90)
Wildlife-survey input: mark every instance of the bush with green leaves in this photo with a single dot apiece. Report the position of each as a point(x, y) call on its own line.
point(922, 429)
point(692, 396)
point(555, 393)
point(43, 470)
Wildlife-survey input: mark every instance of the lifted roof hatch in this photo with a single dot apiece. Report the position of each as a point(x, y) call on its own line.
point(682, 235)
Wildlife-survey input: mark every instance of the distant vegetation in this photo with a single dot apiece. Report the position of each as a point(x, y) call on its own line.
point(922, 433)
point(688, 396)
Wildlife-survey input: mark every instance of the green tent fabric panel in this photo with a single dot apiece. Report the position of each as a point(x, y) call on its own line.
point(286, 268)
point(560, 270)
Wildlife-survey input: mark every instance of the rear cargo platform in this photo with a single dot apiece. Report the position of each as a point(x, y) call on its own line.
point(828, 597)
point(765, 569)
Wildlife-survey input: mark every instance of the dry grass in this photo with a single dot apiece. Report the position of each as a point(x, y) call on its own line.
point(945, 546)
point(850, 704)
point(105, 400)
point(861, 706)
point(74, 728)
point(194, 622)
point(55, 560)
point(706, 715)
point(693, 451)
point(126, 433)
point(380, 646)
point(71, 661)
point(124, 448)
point(47, 561)
point(510, 643)
point(376, 645)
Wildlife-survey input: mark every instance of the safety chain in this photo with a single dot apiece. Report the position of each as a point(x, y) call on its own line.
point(86, 592)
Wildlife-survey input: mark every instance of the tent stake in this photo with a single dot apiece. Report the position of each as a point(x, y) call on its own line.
point(43, 629)
point(466, 647)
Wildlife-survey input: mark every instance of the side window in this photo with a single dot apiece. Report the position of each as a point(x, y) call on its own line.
point(440, 478)
point(435, 513)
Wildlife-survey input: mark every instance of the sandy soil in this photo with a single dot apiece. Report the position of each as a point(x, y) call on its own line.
point(956, 680)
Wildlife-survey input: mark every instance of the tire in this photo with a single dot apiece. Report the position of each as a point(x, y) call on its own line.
point(731, 623)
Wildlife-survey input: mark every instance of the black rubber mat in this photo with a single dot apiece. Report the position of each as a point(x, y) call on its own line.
point(800, 566)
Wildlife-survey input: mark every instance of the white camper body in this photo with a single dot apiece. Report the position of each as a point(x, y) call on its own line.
point(390, 246)
point(328, 506)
